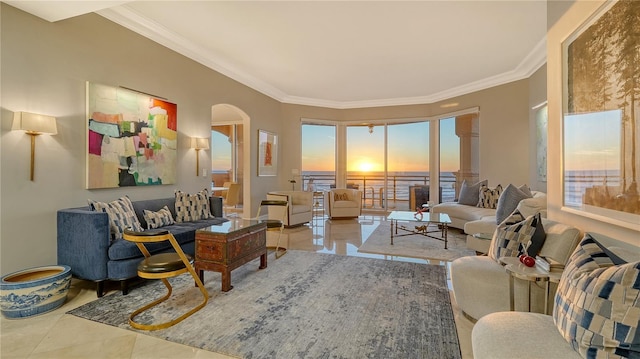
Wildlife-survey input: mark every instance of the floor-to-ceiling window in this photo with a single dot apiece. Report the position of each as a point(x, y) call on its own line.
point(398, 163)
point(318, 156)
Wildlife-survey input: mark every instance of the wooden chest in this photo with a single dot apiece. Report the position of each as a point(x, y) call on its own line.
point(225, 247)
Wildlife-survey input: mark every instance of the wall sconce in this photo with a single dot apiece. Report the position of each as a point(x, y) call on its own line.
point(198, 144)
point(34, 125)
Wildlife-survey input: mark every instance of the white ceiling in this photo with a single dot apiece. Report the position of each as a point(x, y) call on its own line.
point(340, 54)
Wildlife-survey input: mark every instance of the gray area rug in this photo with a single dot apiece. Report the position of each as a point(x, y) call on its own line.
point(305, 305)
point(416, 245)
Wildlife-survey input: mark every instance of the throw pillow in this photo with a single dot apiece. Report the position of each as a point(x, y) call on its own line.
point(192, 207)
point(512, 239)
point(508, 201)
point(341, 197)
point(469, 194)
point(597, 305)
point(158, 219)
point(488, 197)
point(121, 215)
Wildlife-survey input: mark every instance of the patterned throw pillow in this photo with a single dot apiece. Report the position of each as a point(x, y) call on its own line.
point(341, 197)
point(510, 239)
point(488, 197)
point(192, 207)
point(597, 305)
point(469, 194)
point(509, 200)
point(158, 219)
point(121, 215)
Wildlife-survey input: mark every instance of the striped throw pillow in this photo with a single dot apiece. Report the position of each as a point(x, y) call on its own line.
point(192, 207)
point(158, 219)
point(121, 215)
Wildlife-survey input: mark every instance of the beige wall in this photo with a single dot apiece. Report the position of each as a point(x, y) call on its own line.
point(504, 128)
point(44, 69)
point(565, 25)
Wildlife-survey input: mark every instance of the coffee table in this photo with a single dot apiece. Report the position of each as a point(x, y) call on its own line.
point(440, 220)
point(226, 246)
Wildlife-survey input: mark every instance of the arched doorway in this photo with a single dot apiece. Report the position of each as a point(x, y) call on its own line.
point(228, 149)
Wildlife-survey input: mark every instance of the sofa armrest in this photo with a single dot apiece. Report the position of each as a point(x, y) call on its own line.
point(215, 206)
point(84, 238)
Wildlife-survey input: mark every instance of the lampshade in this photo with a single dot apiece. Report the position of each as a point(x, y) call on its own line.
point(200, 143)
point(32, 122)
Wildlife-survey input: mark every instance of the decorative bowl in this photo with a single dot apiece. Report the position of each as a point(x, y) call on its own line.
point(34, 291)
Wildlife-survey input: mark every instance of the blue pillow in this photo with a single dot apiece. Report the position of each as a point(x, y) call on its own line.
point(469, 194)
point(508, 202)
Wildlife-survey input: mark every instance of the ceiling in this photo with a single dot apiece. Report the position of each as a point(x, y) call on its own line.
point(340, 54)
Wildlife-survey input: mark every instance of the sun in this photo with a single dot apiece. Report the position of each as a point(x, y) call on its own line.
point(366, 166)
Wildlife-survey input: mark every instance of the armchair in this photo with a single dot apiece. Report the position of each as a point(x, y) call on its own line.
point(343, 202)
point(300, 208)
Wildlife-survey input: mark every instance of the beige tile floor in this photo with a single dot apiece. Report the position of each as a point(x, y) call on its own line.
point(59, 335)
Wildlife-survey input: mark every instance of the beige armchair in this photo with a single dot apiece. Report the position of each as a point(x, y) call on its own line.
point(343, 203)
point(300, 209)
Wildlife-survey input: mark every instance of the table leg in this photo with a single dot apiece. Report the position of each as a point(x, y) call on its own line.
point(263, 261)
point(529, 296)
point(546, 299)
point(392, 230)
point(226, 280)
point(511, 300)
point(445, 230)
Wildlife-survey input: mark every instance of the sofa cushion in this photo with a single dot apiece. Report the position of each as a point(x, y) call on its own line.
point(121, 215)
point(488, 197)
point(300, 208)
point(597, 305)
point(158, 218)
point(469, 194)
point(485, 225)
point(464, 212)
point(536, 204)
point(508, 202)
point(511, 239)
point(192, 207)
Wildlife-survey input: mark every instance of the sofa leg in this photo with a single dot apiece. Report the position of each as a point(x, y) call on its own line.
point(100, 288)
point(124, 286)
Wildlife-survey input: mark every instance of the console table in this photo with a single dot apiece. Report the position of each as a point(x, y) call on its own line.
point(225, 247)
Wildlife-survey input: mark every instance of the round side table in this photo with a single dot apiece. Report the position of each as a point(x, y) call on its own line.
point(515, 269)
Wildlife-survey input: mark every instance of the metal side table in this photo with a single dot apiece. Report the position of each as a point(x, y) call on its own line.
point(515, 269)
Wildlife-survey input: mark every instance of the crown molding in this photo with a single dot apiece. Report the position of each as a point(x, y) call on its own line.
point(124, 16)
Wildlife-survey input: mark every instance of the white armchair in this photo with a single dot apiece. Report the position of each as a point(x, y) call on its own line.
point(343, 202)
point(300, 207)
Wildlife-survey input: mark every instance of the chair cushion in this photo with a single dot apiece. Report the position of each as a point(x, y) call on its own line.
point(345, 204)
point(163, 262)
point(597, 305)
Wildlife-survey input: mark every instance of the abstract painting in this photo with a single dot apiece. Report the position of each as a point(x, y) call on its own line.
point(131, 138)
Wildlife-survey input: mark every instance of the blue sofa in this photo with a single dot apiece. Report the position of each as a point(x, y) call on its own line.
point(84, 241)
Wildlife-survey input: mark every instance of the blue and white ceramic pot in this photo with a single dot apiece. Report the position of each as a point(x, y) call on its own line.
point(34, 291)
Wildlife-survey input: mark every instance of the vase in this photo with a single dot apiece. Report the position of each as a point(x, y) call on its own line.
point(34, 291)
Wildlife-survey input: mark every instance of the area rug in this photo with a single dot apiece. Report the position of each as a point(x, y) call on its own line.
point(416, 245)
point(305, 305)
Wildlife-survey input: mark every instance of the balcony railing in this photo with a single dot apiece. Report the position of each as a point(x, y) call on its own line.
point(372, 187)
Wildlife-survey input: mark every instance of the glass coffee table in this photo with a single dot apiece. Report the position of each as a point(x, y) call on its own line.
point(420, 224)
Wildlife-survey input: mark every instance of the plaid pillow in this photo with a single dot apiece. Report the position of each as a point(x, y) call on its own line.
point(192, 207)
point(597, 305)
point(121, 215)
point(158, 219)
point(516, 234)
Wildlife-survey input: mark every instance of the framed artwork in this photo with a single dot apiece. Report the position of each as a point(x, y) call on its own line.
point(131, 138)
point(542, 124)
point(267, 153)
point(601, 103)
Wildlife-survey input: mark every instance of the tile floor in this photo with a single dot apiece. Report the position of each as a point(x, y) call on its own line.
point(59, 335)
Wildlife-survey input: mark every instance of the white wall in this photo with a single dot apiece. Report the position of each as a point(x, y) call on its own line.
point(565, 25)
